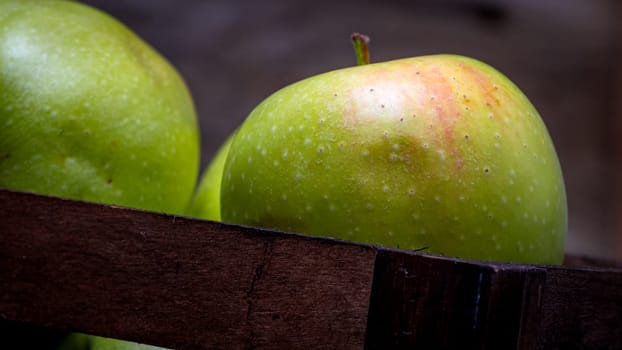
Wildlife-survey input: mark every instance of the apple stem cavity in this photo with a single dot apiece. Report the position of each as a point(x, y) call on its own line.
point(361, 48)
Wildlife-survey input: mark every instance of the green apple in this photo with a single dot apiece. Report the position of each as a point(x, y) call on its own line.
point(89, 111)
point(206, 202)
point(79, 341)
point(441, 152)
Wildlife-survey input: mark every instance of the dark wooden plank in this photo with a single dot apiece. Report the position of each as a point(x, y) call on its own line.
point(612, 135)
point(186, 283)
point(581, 309)
point(432, 302)
point(178, 282)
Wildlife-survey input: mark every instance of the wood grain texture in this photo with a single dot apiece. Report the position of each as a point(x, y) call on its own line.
point(193, 284)
point(581, 309)
point(177, 282)
point(431, 302)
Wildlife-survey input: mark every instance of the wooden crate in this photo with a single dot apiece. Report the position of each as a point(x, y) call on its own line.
point(186, 283)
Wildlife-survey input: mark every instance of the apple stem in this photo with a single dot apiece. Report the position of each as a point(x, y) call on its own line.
point(361, 48)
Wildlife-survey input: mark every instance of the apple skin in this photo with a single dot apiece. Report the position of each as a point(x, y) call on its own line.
point(80, 341)
point(90, 111)
point(440, 152)
point(206, 202)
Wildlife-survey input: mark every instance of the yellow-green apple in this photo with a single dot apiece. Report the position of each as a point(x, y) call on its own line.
point(89, 111)
point(441, 152)
point(206, 202)
point(79, 341)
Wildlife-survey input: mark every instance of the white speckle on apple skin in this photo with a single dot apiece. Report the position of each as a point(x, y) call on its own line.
point(441, 154)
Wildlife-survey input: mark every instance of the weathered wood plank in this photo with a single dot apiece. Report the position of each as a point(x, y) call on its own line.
point(185, 283)
point(581, 309)
point(430, 302)
point(178, 282)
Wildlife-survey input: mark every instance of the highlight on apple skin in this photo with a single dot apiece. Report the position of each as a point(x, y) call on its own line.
point(441, 152)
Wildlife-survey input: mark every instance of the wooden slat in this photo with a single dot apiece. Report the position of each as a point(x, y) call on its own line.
point(581, 308)
point(186, 283)
point(445, 303)
point(177, 282)
point(614, 130)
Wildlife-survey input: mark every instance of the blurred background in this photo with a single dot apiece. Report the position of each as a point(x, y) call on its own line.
point(565, 56)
